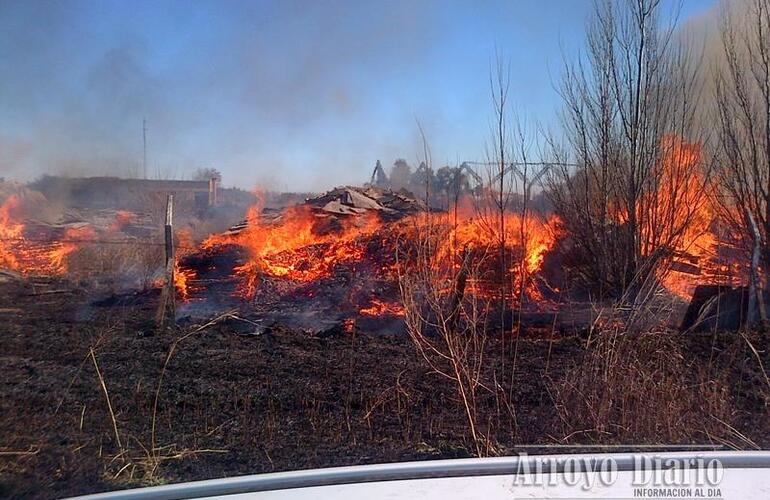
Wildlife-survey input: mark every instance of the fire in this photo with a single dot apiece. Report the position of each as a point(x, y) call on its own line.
point(35, 255)
point(10, 233)
point(304, 245)
point(183, 276)
point(378, 307)
point(123, 219)
point(69, 242)
point(677, 213)
point(295, 247)
point(527, 239)
point(681, 202)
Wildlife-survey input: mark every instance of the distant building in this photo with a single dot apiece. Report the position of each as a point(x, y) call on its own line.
point(109, 192)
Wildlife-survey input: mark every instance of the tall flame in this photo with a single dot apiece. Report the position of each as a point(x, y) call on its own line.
point(676, 212)
point(526, 238)
point(682, 202)
point(10, 233)
point(183, 276)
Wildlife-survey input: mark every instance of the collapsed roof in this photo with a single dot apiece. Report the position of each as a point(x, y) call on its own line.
point(351, 200)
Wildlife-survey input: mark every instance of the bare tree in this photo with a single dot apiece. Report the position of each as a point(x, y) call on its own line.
point(495, 198)
point(629, 123)
point(743, 110)
point(447, 329)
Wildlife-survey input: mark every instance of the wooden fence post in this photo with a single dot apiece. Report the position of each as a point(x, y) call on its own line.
point(167, 304)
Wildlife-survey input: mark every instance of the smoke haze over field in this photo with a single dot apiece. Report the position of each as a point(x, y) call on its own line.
point(288, 95)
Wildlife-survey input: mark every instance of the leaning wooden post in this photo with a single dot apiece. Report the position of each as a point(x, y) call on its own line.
point(167, 306)
point(756, 309)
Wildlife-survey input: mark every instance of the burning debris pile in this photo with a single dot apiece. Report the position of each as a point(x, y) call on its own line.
point(311, 266)
point(334, 260)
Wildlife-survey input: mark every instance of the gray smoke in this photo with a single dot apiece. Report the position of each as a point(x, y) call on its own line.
point(250, 100)
point(287, 95)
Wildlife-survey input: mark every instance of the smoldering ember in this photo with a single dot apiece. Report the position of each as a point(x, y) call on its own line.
point(603, 285)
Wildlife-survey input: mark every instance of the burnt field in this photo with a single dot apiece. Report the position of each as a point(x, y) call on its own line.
point(360, 326)
point(231, 402)
point(216, 303)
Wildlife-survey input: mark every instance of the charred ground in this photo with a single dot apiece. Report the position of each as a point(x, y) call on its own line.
point(233, 403)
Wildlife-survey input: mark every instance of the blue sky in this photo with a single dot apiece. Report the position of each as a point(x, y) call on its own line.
point(284, 94)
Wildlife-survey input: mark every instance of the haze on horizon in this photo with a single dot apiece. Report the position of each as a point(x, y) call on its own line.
point(285, 95)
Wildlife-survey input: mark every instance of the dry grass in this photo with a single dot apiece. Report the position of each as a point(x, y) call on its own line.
point(135, 460)
point(446, 328)
point(117, 266)
point(640, 388)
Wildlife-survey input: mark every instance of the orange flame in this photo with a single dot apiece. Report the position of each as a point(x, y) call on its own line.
point(378, 307)
point(677, 210)
point(123, 219)
point(10, 233)
point(682, 201)
point(303, 246)
point(527, 239)
point(183, 276)
point(293, 247)
point(28, 256)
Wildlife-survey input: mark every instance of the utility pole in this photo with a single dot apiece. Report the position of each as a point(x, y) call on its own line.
point(144, 147)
